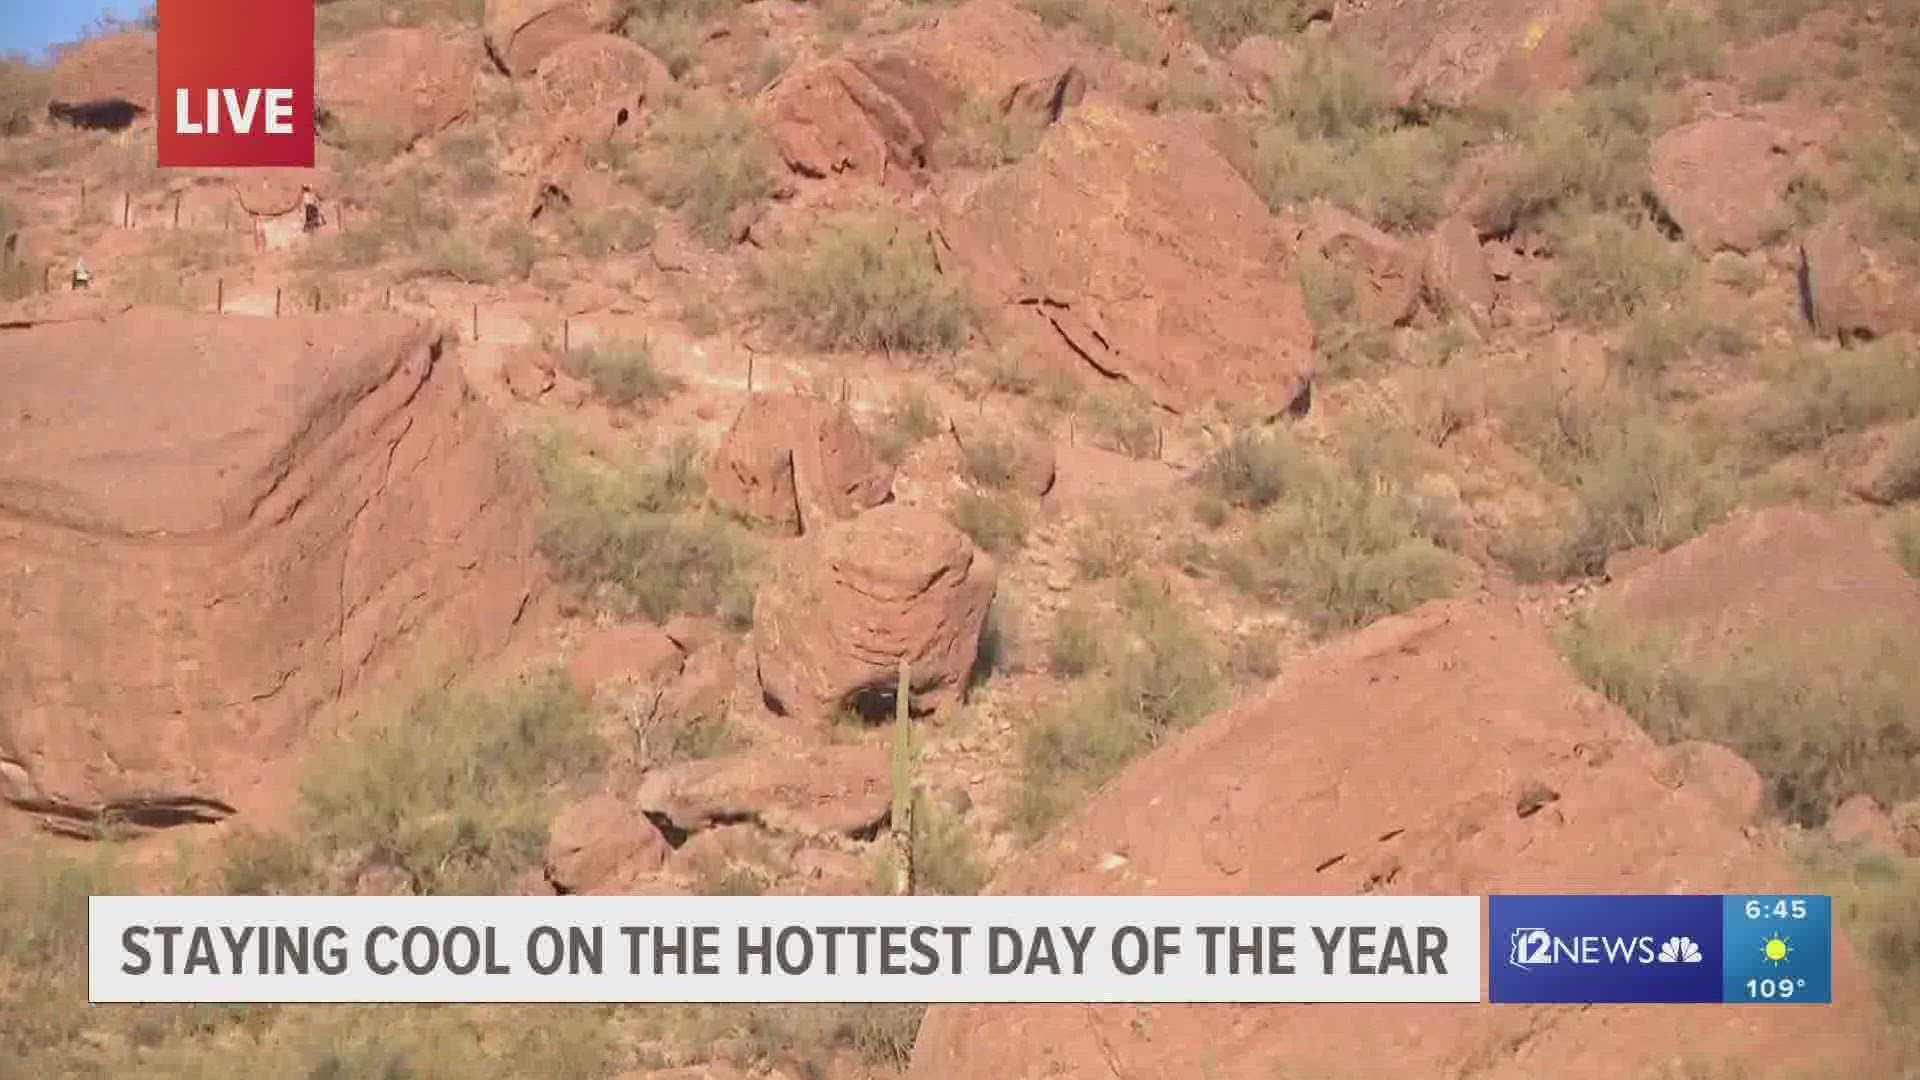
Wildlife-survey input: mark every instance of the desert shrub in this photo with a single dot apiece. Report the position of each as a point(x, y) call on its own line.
point(623, 372)
point(1646, 43)
point(453, 789)
point(1895, 474)
point(1657, 339)
point(1341, 544)
point(1222, 24)
point(910, 419)
point(1642, 484)
point(945, 859)
point(673, 30)
point(622, 230)
point(1821, 716)
point(1075, 645)
point(1875, 893)
point(1330, 136)
point(1818, 393)
point(632, 536)
point(1753, 19)
point(707, 158)
point(991, 461)
point(865, 282)
point(1887, 169)
point(996, 520)
point(1589, 153)
point(1158, 671)
point(1254, 469)
point(1255, 655)
point(1906, 540)
point(1606, 270)
point(1111, 25)
point(47, 1030)
point(1123, 421)
point(19, 275)
point(985, 136)
point(1637, 478)
point(1350, 344)
point(1104, 545)
point(23, 95)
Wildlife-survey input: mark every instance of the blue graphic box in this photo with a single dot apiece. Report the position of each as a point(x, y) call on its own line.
point(1659, 949)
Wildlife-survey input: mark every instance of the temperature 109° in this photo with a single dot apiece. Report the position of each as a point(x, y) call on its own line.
point(1777, 909)
point(1773, 989)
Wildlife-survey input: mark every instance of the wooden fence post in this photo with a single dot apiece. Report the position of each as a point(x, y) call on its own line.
point(220, 298)
point(126, 211)
point(476, 322)
point(276, 301)
point(176, 210)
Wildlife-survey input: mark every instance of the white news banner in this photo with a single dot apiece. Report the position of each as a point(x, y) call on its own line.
point(784, 949)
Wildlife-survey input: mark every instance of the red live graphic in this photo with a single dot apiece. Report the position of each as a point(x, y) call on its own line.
point(236, 83)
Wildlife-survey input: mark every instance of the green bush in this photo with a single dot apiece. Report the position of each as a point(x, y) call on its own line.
point(1221, 24)
point(1255, 469)
point(910, 420)
point(1123, 421)
point(1112, 25)
point(1823, 716)
point(1875, 894)
point(945, 860)
point(1587, 154)
point(990, 461)
point(1606, 270)
point(632, 537)
point(455, 789)
point(708, 159)
point(1075, 647)
point(1818, 393)
point(1646, 43)
point(1342, 546)
point(1160, 672)
point(1906, 540)
point(996, 520)
point(1105, 545)
point(866, 282)
point(673, 30)
point(623, 372)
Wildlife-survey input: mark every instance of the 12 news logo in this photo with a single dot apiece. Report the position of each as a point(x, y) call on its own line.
point(1534, 947)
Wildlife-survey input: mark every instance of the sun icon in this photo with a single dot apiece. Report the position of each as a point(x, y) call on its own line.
point(1776, 949)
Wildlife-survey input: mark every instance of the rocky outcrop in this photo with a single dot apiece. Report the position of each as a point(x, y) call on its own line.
point(1456, 275)
point(812, 792)
point(1855, 288)
point(199, 551)
point(1762, 573)
point(521, 33)
point(1723, 181)
point(877, 111)
point(1452, 53)
point(600, 86)
point(1385, 271)
point(1127, 247)
point(1531, 783)
point(400, 83)
point(121, 66)
point(599, 844)
point(896, 583)
point(791, 463)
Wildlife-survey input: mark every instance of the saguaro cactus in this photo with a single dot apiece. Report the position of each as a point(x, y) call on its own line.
point(903, 783)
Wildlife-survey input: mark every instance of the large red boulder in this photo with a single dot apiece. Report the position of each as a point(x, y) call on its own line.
point(1126, 246)
point(1505, 775)
point(896, 583)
